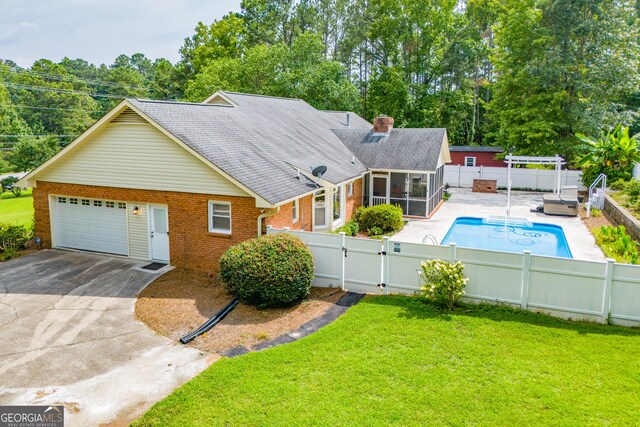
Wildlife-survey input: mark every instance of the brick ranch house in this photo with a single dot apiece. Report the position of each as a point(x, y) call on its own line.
point(472, 155)
point(179, 182)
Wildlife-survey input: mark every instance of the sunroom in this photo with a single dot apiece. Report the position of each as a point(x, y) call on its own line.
point(418, 193)
point(406, 166)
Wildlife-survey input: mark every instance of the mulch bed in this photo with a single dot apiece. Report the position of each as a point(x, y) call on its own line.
point(593, 222)
point(181, 300)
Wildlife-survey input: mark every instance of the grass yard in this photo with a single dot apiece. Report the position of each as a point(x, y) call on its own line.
point(16, 210)
point(396, 360)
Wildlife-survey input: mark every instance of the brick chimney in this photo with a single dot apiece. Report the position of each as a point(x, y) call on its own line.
point(382, 124)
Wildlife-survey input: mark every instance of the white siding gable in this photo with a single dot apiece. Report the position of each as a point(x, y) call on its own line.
point(133, 154)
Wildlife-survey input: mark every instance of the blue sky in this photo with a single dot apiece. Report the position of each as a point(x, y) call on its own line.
point(100, 30)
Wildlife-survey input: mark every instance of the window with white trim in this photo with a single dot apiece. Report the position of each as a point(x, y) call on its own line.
point(470, 161)
point(319, 210)
point(337, 204)
point(350, 190)
point(296, 211)
point(220, 217)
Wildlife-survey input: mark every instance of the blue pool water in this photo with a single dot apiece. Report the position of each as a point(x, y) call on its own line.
point(540, 239)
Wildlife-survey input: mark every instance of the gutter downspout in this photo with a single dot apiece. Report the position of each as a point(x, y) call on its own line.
point(265, 215)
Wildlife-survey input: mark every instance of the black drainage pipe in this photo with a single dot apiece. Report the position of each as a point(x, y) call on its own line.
point(210, 323)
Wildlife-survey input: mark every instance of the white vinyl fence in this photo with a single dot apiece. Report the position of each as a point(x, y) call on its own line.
point(535, 179)
point(568, 288)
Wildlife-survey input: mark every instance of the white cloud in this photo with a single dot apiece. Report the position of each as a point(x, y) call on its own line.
point(98, 31)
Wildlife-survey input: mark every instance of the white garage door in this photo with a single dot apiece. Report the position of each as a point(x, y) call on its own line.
point(91, 225)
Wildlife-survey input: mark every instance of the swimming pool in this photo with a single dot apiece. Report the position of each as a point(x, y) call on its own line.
point(540, 239)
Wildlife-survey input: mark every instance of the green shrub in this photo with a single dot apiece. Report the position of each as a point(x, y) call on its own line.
point(387, 218)
point(375, 231)
point(618, 185)
point(443, 282)
point(14, 236)
point(596, 213)
point(616, 243)
point(269, 271)
point(632, 189)
point(590, 173)
point(351, 228)
point(8, 254)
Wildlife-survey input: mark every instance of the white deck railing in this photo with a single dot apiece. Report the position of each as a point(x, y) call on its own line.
point(377, 200)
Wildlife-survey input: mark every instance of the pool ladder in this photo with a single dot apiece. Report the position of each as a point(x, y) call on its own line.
point(431, 238)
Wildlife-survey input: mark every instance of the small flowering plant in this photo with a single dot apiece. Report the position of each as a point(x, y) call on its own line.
point(444, 282)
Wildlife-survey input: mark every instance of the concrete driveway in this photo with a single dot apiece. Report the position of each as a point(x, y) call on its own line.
point(68, 335)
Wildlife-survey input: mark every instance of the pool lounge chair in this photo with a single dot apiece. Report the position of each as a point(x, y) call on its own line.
point(565, 203)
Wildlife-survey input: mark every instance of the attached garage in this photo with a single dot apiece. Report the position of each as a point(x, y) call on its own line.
point(90, 225)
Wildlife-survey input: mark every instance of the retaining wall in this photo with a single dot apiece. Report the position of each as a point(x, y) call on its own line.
point(620, 216)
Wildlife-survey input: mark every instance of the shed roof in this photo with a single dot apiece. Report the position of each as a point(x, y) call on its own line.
point(475, 149)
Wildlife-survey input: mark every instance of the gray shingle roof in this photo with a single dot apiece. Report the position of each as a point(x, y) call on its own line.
point(257, 141)
point(401, 149)
point(476, 148)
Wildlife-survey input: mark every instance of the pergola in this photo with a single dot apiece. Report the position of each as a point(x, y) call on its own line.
point(556, 160)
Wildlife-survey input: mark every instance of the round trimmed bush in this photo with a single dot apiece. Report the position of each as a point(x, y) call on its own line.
point(269, 271)
point(384, 218)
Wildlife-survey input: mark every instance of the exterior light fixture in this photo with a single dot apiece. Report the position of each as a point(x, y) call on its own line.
point(136, 210)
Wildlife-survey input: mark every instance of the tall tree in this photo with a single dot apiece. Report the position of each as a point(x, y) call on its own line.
point(299, 71)
point(10, 121)
point(225, 38)
point(563, 67)
point(60, 101)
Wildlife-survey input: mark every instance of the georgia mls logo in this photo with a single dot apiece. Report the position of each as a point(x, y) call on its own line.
point(32, 416)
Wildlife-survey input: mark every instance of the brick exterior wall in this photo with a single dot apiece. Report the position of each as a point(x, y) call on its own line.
point(191, 244)
point(284, 218)
point(355, 201)
point(482, 159)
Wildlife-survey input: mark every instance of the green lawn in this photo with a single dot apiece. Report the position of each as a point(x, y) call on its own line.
point(398, 361)
point(16, 210)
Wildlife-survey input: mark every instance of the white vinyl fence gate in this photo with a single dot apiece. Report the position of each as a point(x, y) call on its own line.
point(569, 288)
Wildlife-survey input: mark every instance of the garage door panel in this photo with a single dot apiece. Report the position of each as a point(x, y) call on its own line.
point(92, 225)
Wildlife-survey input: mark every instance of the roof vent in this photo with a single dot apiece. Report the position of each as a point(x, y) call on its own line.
point(348, 120)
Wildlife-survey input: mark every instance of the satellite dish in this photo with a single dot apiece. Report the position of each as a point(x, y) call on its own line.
point(318, 171)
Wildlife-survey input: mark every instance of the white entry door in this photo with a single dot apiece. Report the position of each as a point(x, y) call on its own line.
point(159, 226)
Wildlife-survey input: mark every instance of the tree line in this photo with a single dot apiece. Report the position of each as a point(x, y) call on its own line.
point(527, 74)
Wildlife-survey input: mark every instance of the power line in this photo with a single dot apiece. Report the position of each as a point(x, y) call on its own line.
point(62, 77)
point(64, 91)
point(51, 108)
point(40, 135)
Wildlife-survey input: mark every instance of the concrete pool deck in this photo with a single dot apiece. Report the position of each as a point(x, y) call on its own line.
point(464, 202)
